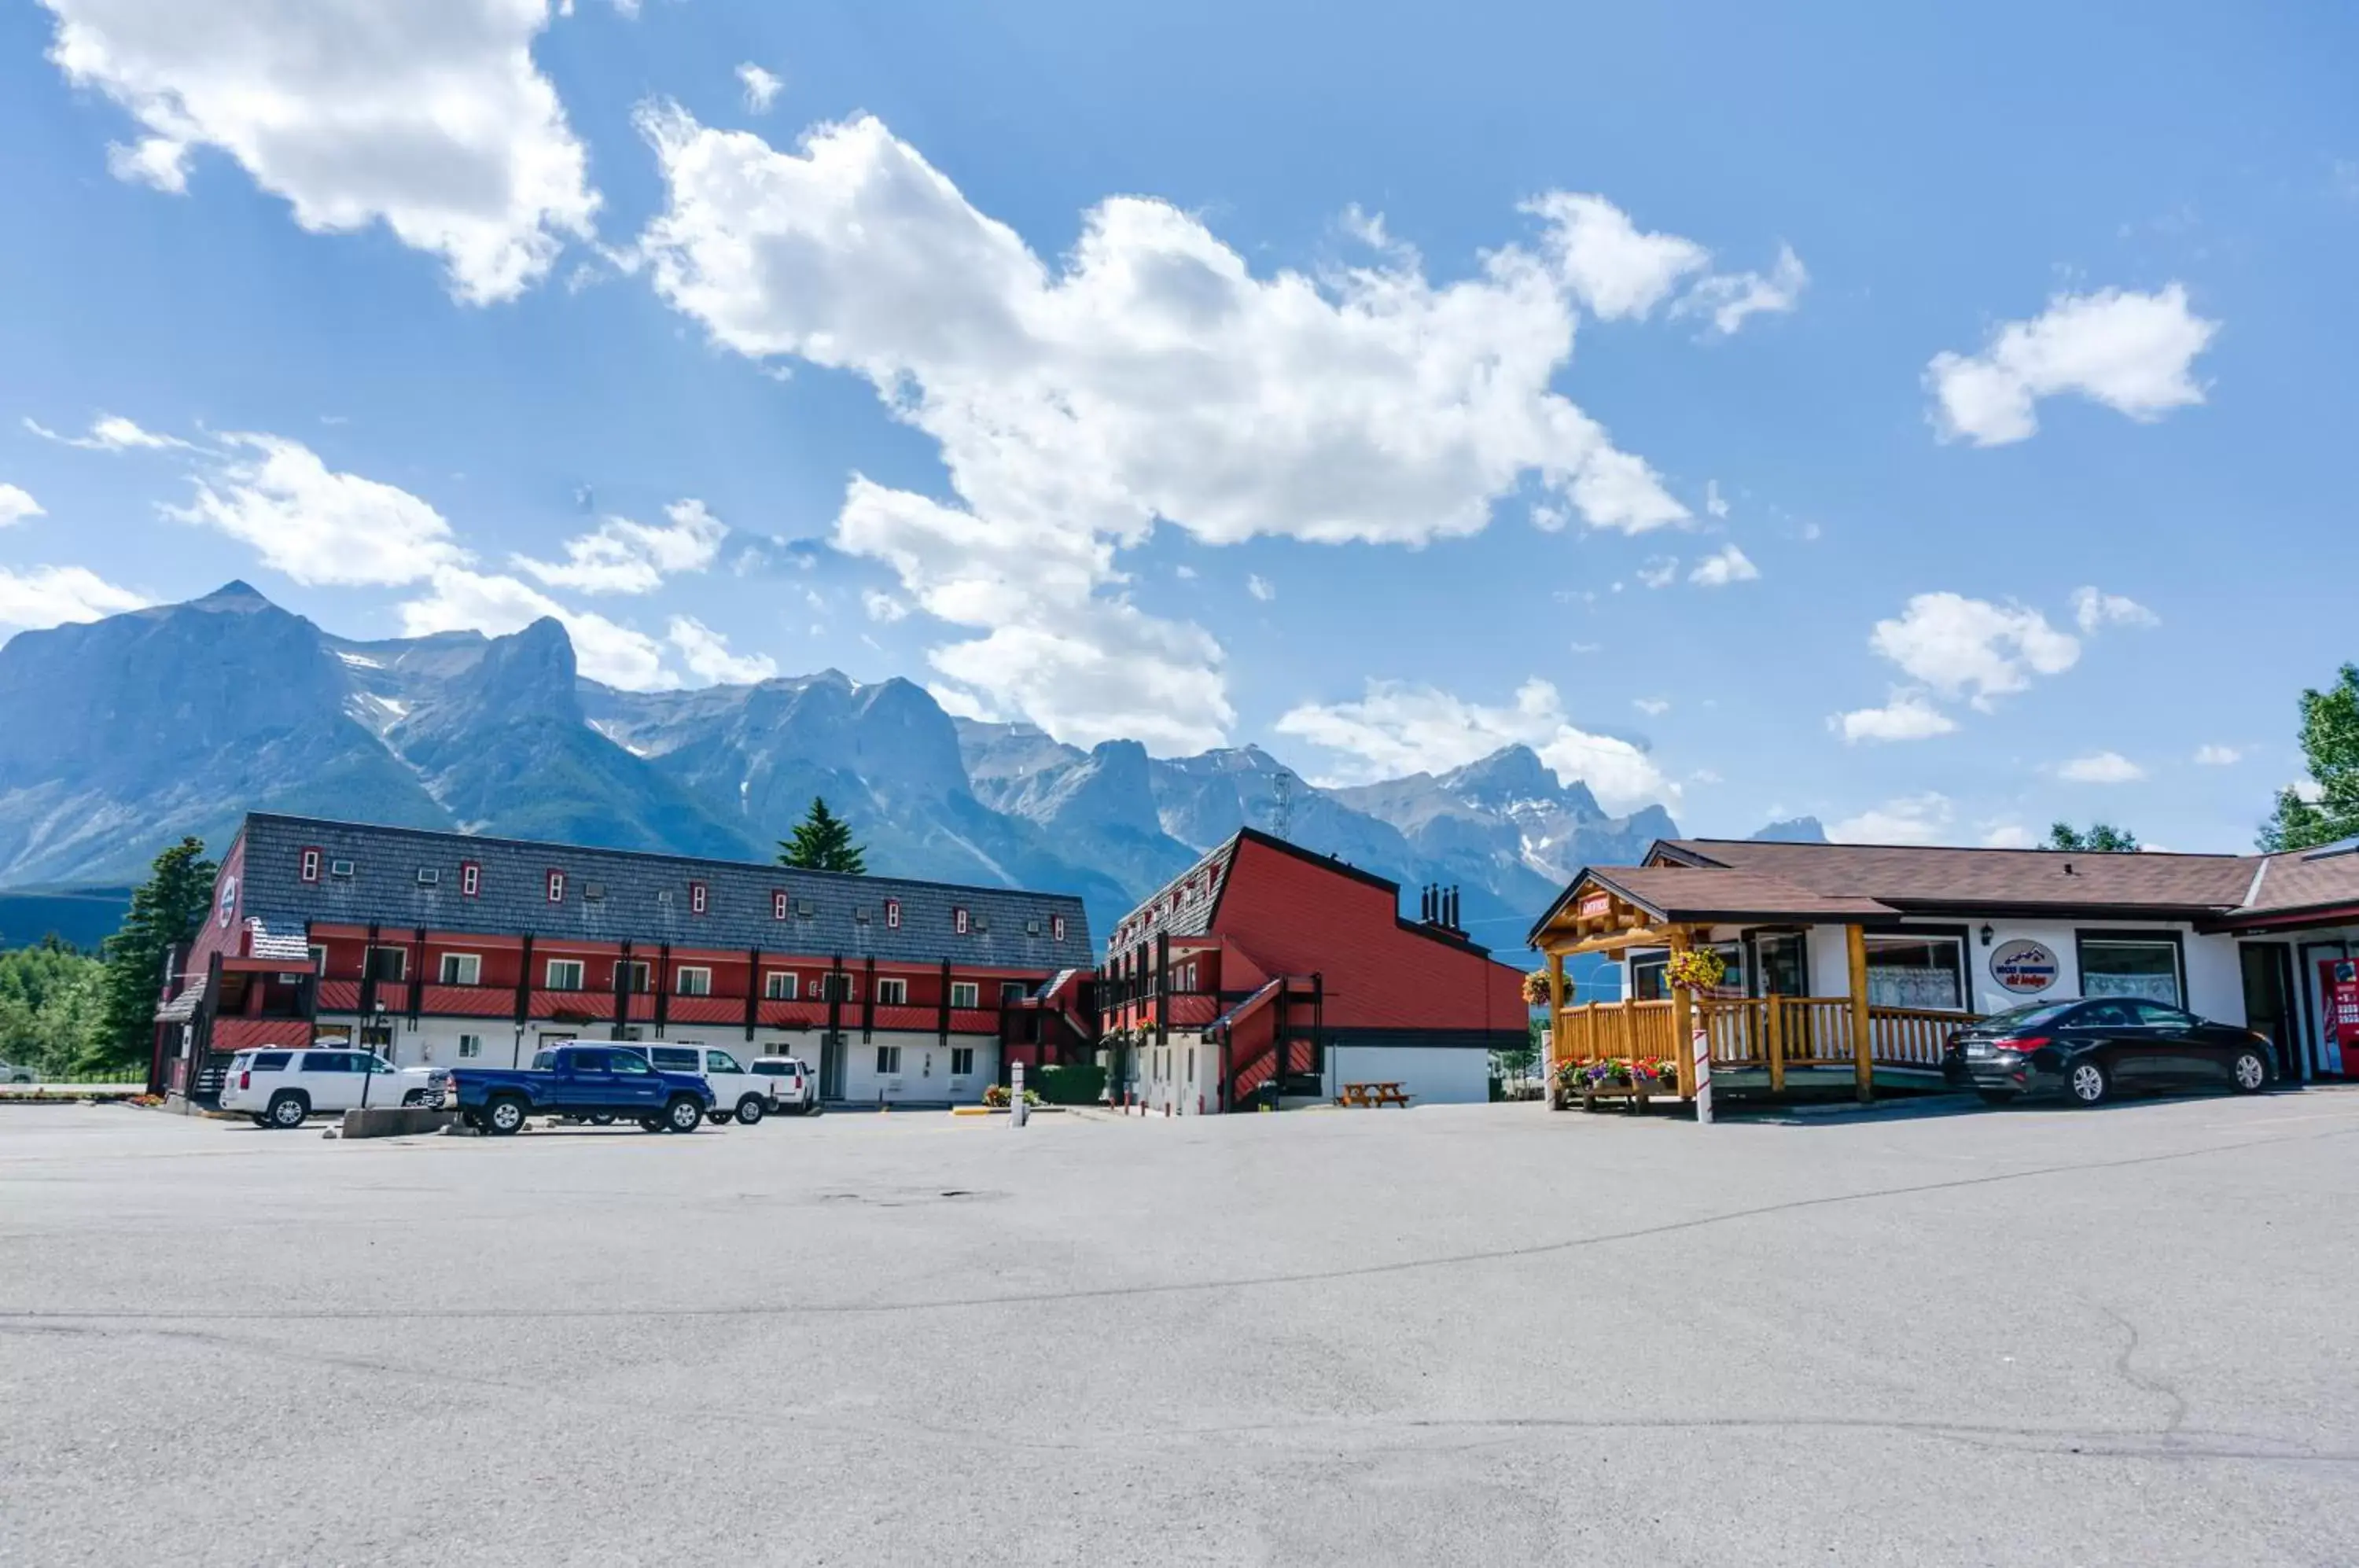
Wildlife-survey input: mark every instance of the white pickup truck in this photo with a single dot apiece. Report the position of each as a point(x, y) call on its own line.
point(736, 1092)
point(280, 1088)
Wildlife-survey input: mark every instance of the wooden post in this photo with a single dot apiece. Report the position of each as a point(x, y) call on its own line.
point(1555, 1020)
point(1863, 1053)
point(1773, 1042)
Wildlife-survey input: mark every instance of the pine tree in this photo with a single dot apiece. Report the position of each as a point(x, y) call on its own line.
point(165, 909)
point(822, 842)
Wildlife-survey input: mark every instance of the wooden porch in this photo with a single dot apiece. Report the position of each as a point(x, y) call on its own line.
point(1762, 1040)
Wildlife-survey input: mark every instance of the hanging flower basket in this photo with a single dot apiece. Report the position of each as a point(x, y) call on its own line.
point(1536, 988)
point(1698, 969)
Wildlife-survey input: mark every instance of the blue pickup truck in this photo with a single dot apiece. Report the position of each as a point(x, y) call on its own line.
point(599, 1084)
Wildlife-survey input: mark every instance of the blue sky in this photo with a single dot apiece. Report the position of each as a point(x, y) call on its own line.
point(1970, 386)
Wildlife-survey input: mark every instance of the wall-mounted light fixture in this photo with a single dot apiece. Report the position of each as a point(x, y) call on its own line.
point(1987, 934)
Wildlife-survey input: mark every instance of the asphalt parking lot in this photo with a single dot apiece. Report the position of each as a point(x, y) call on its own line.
point(1487, 1334)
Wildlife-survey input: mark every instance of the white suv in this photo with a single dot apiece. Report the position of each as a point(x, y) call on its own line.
point(736, 1092)
point(794, 1090)
point(280, 1088)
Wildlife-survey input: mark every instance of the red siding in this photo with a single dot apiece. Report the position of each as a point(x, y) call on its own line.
point(247, 1034)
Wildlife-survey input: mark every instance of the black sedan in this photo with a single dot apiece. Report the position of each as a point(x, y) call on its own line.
point(2088, 1049)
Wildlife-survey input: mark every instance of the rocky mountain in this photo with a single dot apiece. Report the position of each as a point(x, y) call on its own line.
point(1794, 830)
point(122, 735)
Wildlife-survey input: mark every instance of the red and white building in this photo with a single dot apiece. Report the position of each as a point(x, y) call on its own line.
point(1268, 971)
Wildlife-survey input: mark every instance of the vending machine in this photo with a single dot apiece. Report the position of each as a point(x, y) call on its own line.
point(2338, 991)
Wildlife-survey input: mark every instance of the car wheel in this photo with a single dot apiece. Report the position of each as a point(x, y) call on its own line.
point(1997, 1096)
point(414, 1099)
point(651, 1124)
point(682, 1115)
point(2087, 1083)
point(261, 1120)
point(602, 1118)
point(287, 1109)
point(472, 1119)
point(504, 1116)
point(2250, 1073)
point(749, 1110)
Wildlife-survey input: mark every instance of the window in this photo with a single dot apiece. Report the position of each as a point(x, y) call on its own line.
point(272, 1060)
point(962, 1061)
point(966, 994)
point(389, 965)
point(544, 1061)
point(779, 985)
point(1925, 972)
point(319, 959)
point(1012, 991)
point(720, 1061)
point(888, 1060)
point(836, 986)
point(696, 897)
point(470, 1047)
point(556, 887)
point(463, 969)
point(2154, 1016)
point(694, 982)
point(1191, 1064)
point(1188, 976)
point(2131, 966)
point(470, 879)
point(332, 1061)
point(428, 876)
point(631, 975)
point(957, 920)
point(344, 870)
point(678, 1057)
point(893, 993)
point(565, 974)
point(627, 1064)
point(777, 906)
point(309, 871)
point(1057, 927)
point(893, 914)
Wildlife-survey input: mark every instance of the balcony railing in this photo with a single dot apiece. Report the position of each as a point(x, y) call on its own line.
point(1763, 1032)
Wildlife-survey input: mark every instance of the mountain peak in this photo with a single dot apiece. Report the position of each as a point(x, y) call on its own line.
point(235, 594)
point(1793, 830)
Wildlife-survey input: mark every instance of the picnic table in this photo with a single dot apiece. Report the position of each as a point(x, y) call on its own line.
point(1371, 1095)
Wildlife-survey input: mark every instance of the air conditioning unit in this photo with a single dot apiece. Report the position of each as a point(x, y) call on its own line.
point(861, 915)
point(803, 908)
point(663, 894)
point(593, 892)
point(983, 922)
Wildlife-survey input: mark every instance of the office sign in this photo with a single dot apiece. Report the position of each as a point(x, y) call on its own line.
point(2025, 967)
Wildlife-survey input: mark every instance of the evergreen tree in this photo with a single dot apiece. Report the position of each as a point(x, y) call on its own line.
point(2102, 838)
point(167, 909)
point(2330, 744)
point(822, 842)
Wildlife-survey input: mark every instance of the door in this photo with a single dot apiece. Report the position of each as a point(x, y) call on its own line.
point(637, 1087)
point(2182, 1049)
point(831, 1067)
point(2268, 1003)
point(590, 1079)
point(2124, 1048)
point(332, 1079)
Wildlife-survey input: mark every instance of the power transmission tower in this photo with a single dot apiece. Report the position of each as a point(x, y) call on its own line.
point(1281, 803)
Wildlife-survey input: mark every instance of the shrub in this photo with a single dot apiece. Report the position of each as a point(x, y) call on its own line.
point(1077, 1086)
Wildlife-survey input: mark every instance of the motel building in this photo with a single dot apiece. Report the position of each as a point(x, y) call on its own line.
point(1266, 972)
point(1828, 948)
point(444, 949)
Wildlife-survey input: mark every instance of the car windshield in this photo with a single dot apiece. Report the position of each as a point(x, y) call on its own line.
point(2026, 1017)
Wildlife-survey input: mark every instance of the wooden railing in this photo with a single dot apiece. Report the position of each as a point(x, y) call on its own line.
point(1774, 1032)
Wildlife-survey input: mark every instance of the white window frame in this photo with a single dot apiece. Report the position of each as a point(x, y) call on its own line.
point(1012, 991)
point(962, 1051)
point(772, 991)
point(1057, 927)
point(958, 919)
point(471, 1046)
point(319, 958)
point(472, 967)
point(470, 879)
point(581, 972)
point(967, 993)
point(642, 976)
point(777, 906)
point(699, 895)
point(892, 991)
point(888, 1062)
point(556, 887)
point(368, 963)
point(892, 914)
point(308, 869)
point(681, 984)
point(836, 985)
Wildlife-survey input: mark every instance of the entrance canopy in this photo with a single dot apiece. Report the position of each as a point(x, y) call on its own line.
point(1608, 910)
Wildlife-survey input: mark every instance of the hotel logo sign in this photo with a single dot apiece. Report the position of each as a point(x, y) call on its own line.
point(2026, 968)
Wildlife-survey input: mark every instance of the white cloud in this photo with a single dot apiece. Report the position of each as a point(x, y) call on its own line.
point(762, 87)
point(429, 116)
point(1397, 728)
point(2009, 835)
point(1184, 573)
point(1907, 716)
point(1260, 588)
point(17, 503)
point(112, 432)
point(1607, 264)
point(461, 600)
point(1370, 405)
point(883, 606)
point(2096, 610)
point(2101, 767)
point(1714, 501)
point(1912, 819)
point(1724, 566)
point(1728, 298)
point(1659, 571)
point(1653, 707)
point(43, 596)
point(626, 556)
point(1960, 646)
point(2133, 353)
point(317, 525)
point(706, 654)
point(2219, 755)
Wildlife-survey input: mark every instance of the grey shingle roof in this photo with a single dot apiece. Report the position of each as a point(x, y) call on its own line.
point(615, 895)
